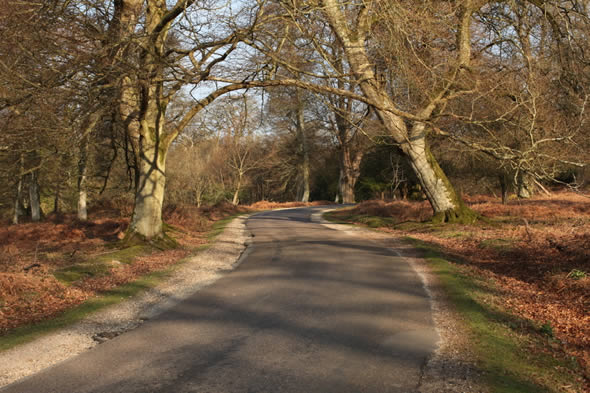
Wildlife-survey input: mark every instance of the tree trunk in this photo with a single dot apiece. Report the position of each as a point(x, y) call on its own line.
point(34, 196)
point(236, 198)
point(149, 197)
point(404, 191)
point(17, 201)
point(338, 198)
point(524, 185)
point(142, 118)
point(18, 209)
point(82, 175)
point(304, 149)
point(56, 199)
point(347, 187)
point(82, 199)
point(503, 188)
point(199, 196)
point(152, 151)
point(83, 166)
point(445, 202)
point(349, 173)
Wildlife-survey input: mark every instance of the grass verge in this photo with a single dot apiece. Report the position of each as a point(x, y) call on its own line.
point(514, 354)
point(28, 333)
point(509, 349)
point(117, 295)
point(100, 265)
point(220, 225)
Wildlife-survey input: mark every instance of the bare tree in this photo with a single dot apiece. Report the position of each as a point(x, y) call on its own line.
point(154, 49)
point(415, 62)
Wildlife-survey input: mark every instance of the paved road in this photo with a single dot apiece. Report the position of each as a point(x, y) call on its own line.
point(309, 310)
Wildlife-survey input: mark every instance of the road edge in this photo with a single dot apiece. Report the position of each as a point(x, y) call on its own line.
point(451, 368)
point(226, 253)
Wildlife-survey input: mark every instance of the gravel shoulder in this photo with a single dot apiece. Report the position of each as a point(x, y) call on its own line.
point(451, 369)
point(199, 271)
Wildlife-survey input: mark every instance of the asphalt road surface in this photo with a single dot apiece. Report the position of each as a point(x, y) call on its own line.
point(310, 309)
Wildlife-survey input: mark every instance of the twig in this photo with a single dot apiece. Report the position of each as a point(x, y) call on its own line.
point(26, 269)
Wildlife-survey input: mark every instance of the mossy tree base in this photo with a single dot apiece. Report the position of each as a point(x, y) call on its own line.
point(162, 242)
point(461, 215)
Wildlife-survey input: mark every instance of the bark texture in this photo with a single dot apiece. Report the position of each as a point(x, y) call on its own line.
point(236, 198)
point(350, 170)
point(524, 185)
point(82, 177)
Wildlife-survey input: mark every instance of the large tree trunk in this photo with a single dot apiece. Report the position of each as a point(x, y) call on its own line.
point(445, 202)
point(152, 148)
point(149, 196)
point(142, 112)
point(35, 197)
point(143, 98)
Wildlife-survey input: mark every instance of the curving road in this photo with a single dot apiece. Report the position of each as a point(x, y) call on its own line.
point(310, 309)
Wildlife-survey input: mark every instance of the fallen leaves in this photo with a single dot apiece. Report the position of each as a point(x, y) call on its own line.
point(31, 252)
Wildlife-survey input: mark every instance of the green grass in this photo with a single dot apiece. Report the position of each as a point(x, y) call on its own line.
point(94, 267)
point(508, 349)
point(454, 235)
point(30, 332)
point(99, 265)
point(501, 341)
point(502, 245)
